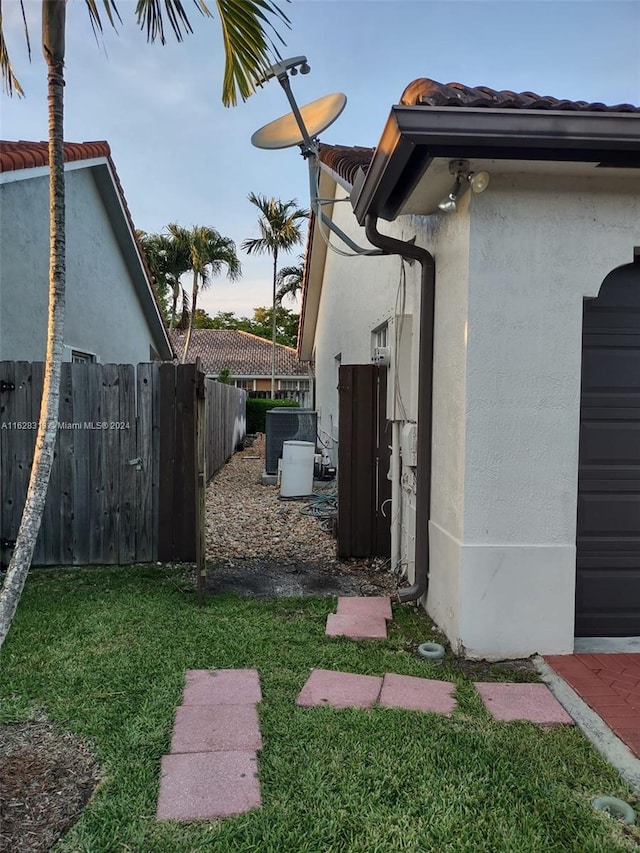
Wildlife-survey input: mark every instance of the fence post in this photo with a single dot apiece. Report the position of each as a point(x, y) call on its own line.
point(200, 416)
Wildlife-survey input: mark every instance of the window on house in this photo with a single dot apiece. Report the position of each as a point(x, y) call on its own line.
point(82, 357)
point(245, 384)
point(380, 337)
point(294, 384)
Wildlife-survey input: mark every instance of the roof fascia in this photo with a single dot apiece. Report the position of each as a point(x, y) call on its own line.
point(13, 175)
point(413, 136)
point(315, 276)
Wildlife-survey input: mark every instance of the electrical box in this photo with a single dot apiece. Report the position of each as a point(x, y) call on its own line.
point(409, 445)
point(382, 356)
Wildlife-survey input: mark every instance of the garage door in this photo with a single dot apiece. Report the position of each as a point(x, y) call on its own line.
point(608, 524)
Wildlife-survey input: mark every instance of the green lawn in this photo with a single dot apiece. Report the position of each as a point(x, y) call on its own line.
point(103, 653)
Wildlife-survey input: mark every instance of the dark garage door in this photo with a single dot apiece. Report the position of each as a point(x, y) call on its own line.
point(608, 524)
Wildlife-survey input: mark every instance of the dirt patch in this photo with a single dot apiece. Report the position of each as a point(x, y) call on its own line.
point(46, 779)
point(275, 579)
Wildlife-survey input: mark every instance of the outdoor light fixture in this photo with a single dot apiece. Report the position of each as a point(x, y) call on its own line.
point(465, 179)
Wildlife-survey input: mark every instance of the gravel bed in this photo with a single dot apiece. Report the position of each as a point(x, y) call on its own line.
point(259, 544)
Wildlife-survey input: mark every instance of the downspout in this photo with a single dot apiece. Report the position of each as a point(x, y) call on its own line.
point(392, 246)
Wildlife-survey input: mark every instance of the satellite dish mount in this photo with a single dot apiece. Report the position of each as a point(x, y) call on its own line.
point(301, 127)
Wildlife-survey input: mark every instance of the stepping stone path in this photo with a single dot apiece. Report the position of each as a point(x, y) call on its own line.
point(348, 690)
point(360, 618)
point(533, 702)
point(212, 770)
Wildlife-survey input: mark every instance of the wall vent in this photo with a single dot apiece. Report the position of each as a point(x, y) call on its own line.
point(287, 424)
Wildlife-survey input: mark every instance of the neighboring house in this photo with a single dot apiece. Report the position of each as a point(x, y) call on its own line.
point(248, 360)
point(516, 498)
point(111, 313)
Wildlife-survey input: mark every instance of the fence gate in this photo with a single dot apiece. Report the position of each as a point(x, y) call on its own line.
point(364, 490)
point(124, 482)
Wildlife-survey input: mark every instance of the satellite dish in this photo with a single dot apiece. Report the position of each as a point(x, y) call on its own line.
point(285, 132)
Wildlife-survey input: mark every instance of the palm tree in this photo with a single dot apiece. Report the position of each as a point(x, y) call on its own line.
point(248, 53)
point(280, 230)
point(290, 280)
point(167, 259)
point(209, 251)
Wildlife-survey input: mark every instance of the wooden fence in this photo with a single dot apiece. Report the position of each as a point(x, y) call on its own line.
point(124, 483)
point(226, 423)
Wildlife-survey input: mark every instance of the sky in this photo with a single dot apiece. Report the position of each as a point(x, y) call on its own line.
point(183, 157)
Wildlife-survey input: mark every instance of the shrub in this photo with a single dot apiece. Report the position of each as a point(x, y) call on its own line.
point(257, 410)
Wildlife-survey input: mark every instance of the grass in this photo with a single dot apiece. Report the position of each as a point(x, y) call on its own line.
point(103, 653)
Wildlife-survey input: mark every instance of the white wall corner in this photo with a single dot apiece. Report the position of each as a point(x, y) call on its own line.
point(517, 601)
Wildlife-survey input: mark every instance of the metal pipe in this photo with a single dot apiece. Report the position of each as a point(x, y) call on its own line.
point(395, 496)
point(393, 246)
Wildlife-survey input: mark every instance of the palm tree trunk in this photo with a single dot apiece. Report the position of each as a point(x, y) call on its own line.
point(174, 304)
point(273, 325)
point(53, 26)
point(194, 299)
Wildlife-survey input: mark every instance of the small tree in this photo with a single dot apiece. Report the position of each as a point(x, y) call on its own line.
point(224, 376)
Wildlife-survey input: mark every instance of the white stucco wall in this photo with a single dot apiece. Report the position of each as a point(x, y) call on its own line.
point(538, 246)
point(358, 295)
point(103, 314)
point(512, 268)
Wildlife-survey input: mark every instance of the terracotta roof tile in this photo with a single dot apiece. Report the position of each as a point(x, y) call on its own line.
point(345, 160)
point(27, 155)
point(242, 353)
point(424, 92)
point(429, 93)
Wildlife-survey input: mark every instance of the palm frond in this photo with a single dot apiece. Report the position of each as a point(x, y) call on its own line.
point(249, 51)
point(110, 10)
point(9, 78)
point(150, 17)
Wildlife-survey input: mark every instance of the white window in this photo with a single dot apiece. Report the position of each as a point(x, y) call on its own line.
point(82, 357)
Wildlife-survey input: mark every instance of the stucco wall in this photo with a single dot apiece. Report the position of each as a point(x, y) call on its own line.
point(103, 315)
point(512, 268)
point(538, 246)
point(358, 295)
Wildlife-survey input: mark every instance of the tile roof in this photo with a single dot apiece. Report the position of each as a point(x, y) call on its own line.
point(242, 353)
point(345, 160)
point(28, 155)
point(424, 92)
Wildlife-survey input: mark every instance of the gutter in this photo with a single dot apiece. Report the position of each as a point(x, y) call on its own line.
point(392, 246)
point(415, 135)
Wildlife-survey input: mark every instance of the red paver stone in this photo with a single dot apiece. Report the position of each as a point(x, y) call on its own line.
point(339, 689)
point(208, 785)
point(213, 728)
point(356, 627)
point(533, 702)
point(222, 687)
point(417, 694)
point(365, 606)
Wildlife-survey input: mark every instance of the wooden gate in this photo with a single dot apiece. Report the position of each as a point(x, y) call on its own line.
point(364, 489)
point(123, 485)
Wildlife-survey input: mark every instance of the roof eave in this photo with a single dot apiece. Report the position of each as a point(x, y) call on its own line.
point(414, 136)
